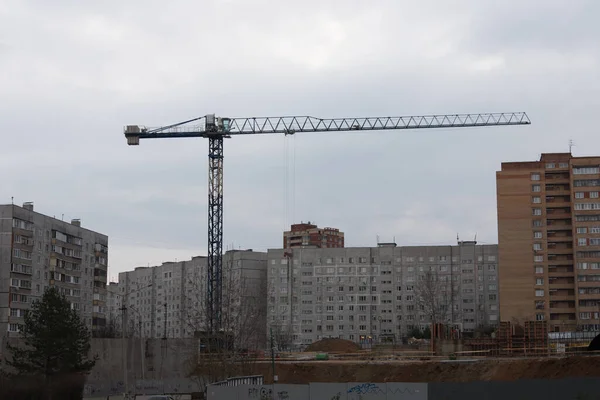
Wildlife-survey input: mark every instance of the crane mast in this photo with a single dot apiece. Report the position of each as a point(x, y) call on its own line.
point(216, 129)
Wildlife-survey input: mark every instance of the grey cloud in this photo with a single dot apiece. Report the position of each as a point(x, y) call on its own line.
point(82, 71)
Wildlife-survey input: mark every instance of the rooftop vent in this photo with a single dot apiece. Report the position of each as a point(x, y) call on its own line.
point(76, 222)
point(28, 205)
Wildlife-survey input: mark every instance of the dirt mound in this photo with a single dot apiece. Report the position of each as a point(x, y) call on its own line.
point(492, 370)
point(332, 345)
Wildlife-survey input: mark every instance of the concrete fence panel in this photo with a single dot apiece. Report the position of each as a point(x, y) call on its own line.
point(329, 391)
point(291, 392)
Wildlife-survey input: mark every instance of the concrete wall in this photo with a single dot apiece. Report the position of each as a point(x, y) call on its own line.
point(166, 366)
point(571, 388)
point(322, 391)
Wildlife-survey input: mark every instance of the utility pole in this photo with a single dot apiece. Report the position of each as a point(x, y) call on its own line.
point(273, 357)
point(142, 355)
point(123, 341)
point(165, 330)
point(124, 348)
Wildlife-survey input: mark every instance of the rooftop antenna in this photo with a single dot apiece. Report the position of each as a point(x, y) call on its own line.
point(377, 239)
point(571, 144)
point(12, 200)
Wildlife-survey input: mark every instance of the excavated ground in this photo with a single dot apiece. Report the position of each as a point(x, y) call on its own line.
point(393, 371)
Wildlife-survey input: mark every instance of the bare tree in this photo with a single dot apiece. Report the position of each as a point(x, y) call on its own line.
point(282, 337)
point(432, 298)
point(243, 324)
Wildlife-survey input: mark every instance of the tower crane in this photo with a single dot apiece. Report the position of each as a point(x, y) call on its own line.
point(217, 128)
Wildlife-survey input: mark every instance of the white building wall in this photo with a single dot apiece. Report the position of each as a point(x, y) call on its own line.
point(355, 293)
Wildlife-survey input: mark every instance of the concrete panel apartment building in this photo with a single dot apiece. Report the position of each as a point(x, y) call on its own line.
point(310, 235)
point(549, 241)
point(357, 293)
point(38, 251)
point(169, 300)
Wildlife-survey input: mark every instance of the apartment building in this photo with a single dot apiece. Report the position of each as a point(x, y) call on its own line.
point(549, 241)
point(310, 235)
point(371, 292)
point(38, 251)
point(169, 300)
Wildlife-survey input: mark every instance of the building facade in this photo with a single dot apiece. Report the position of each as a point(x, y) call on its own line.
point(169, 300)
point(38, 251)
point(358, 293)
point(549, 241)
point(310, 235)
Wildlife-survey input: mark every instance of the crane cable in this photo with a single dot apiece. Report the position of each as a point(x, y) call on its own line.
point(289, 180)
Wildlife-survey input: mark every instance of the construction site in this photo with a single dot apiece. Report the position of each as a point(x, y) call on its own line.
point(516, 352)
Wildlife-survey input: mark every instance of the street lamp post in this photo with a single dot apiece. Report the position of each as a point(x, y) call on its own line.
point(123, 341)
point(142, 357)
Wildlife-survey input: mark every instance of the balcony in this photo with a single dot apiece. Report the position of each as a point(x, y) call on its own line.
point(562, 310)
point(560, 259)
point(557, 177)
point(558, 189)
point(558, 213)
point(558, 295)
point(567, 316)
point(559, 251)
point(562, 271)
point(559, 224)
point(561, 283)
point(559, 236)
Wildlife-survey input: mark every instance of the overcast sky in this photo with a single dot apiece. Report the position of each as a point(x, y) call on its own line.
point(73, 73)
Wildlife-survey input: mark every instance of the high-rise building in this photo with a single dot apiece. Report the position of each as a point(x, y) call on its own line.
point(549, 241)
point(38, 251)
point(169, 300)
point(368, 293)
point(310, 235)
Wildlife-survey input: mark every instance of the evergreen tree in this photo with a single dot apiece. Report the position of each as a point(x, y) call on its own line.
point(55, 341)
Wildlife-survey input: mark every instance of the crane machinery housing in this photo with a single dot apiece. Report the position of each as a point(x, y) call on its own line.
point(216, 129)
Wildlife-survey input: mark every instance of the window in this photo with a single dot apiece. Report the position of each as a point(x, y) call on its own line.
point(539, 281)
point(579, 195)
point(581, 230)
point(587, 206)
point(536, 188)
point(536, 199)
point(538, 258)
point(586, 170)
point(563, 165)
point(539, 270)
point(539, 317)
point(535, 177)
point(536, 211)
point(550, 165)
point(593, 195)
point(537, 235)
point(582, 242)
point(539, 293)
point(492, 287)
point(537, 246)
point(537, 223)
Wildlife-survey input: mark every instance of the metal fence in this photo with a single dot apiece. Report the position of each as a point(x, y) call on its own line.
point(241, 380)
